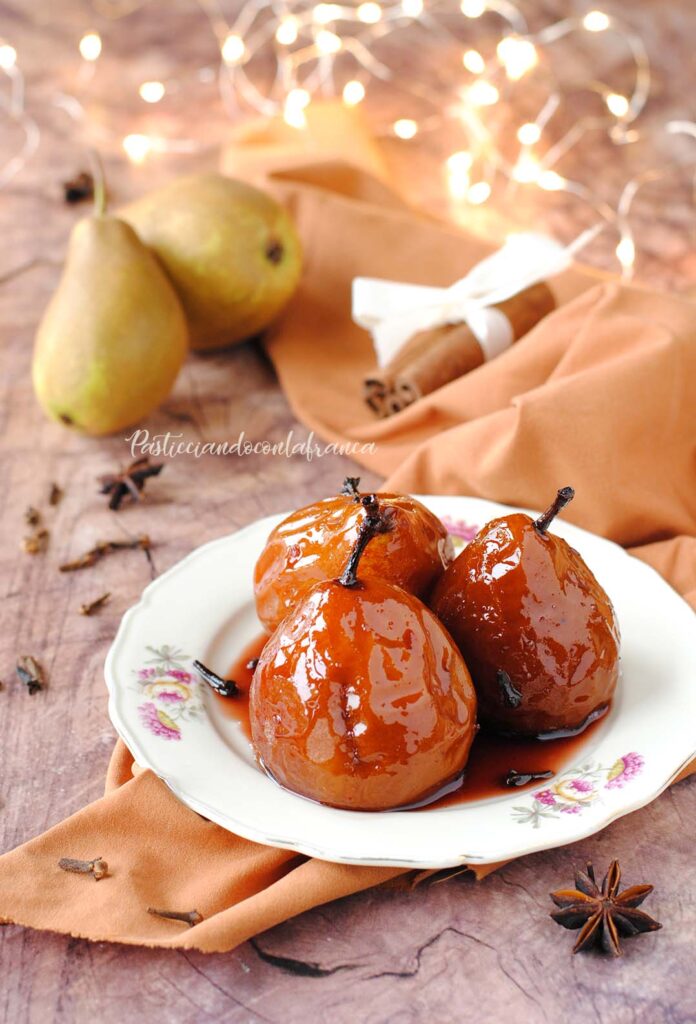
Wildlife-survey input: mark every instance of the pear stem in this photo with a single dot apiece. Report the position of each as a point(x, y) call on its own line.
point(564, 496)
point(374, 522)
point(99, 183)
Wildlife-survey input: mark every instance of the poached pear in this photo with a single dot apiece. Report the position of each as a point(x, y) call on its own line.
point(114, 335)
point(360, 699)
point(230, 250)
point(314, 542)
point(536, 629)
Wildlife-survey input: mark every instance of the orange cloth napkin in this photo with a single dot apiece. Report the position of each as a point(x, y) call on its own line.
point(601, 395)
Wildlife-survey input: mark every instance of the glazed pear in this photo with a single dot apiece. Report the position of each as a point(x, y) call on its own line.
point(360, 699)
point(230, 250)
point(536, 629)
point(314, 543)
point(114, 336)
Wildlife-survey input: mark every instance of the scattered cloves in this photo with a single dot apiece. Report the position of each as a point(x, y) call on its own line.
point(350, 488)
point(515, 778)
point(129, 482)
point(79, 188)
point(94, 606)
point(103, 548)
point(31, 673)
point(55, 494)
point(225, 687)
point(189, 917)
point(97, 867)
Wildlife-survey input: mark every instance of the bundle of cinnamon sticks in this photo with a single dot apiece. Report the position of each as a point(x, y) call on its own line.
point(432, 358)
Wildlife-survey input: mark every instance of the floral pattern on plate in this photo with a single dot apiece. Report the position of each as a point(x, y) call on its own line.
point(171, 692)
point(460, 531)
point(578, 788)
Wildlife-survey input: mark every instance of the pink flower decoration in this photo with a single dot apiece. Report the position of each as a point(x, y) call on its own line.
point(545, 796)
point(178, 673)
point(147, 673)
point(159, 723)
point(173, 696)
point(458, 528)
point(581, 786)
point(571, 808)
point(625, 769)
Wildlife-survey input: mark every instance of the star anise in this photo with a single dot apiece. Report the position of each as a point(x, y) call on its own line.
point(602, 914)
point(130, 481)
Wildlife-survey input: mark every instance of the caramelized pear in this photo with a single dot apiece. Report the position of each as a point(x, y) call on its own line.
point(314, 543)
point(537, 630)
point(360, 699)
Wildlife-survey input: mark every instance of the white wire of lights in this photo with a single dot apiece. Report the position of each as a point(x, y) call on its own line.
point(325, 49)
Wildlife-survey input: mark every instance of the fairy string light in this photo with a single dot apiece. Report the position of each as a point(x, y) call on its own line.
point(324, 49)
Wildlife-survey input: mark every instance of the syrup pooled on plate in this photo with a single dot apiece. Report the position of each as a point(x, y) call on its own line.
point(490, 759)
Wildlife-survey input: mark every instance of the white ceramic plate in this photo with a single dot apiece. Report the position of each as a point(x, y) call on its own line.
point(203, 608)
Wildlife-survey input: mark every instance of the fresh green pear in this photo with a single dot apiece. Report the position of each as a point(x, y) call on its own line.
point(231, 251)
point(114, 335)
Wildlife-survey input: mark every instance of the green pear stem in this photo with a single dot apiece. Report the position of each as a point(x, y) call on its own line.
point(100, 201)
point(564, 496)
point(374, 522)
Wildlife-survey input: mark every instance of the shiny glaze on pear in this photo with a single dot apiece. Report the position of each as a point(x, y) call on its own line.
point(536, 629)
point(314, 544)
point(360, 699)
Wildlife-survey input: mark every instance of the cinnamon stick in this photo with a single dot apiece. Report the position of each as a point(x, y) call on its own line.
point(430, 359)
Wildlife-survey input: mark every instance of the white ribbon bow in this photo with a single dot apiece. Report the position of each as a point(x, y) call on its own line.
point(394, 312)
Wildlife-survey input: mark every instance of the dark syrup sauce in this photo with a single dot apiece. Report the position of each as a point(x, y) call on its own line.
point(491, 756)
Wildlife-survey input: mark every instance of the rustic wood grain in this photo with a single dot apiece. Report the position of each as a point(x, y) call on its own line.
point(448, 952)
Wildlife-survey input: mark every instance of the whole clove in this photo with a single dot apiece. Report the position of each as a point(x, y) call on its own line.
point(106, 547)
point(98, 868)
point(350, 488)
point(189, 917)
point(31, 673)
point(225, 687)
point(515, 778)
point(79, 188)
point(95, 605)
point(32, 516)
point(252, 663)
point(129, 482)
point(36, 542)
point(55, 494)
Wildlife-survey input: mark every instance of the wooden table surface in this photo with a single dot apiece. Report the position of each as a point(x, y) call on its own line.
point(453, 951)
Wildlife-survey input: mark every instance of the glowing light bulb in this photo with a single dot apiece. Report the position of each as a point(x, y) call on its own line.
point(90, 46)
point(458, 166)
point(287, 31)
point(626, 253)
point(596, 21)
point(353, 93)
point(473, 8)
point(405, 128)
point(8, 56)
point(526, 170)
point(233, 49)
point(298, 98)
point(478, 193)
point(328, 42)
point(412, 8)
point(369, 12)
point(151, 92)
point(551, 181)
point(137, 147)
point(518, 56)
point(617, 104)
point(324, 13)
point(529, 133)
point(474, 62)
point(482, 94)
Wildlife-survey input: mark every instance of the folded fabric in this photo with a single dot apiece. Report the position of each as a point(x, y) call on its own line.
point(600, 395)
